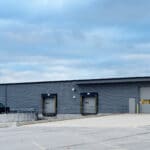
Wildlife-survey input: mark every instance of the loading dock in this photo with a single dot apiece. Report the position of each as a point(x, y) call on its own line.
point(89, 103)
point(112, 95)
point(49, 102)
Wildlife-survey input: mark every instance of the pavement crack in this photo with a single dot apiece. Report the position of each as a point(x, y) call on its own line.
point(40, 147)
point(134, 135)
point(72, 145)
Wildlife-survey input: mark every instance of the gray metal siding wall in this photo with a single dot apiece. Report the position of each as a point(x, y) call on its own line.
point(113, 98)
point(29, 96)
point(2, 94)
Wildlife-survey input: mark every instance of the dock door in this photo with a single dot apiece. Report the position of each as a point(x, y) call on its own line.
point(49, 104)
point(145, 99)
point(89, 103)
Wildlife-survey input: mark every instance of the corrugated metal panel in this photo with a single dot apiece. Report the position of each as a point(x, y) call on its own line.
point(113, 98)
point(29, 96)
point(2, 94)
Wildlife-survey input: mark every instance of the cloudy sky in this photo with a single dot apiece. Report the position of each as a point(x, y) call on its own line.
point(73, 39)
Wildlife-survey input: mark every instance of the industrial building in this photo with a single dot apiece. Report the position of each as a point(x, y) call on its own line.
point(94, 96)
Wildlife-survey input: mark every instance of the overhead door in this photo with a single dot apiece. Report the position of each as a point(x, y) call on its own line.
point(145, 92)
point(89, 103)
point(145, 99)
point(50, 105)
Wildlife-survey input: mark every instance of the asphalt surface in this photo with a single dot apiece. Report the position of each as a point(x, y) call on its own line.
point(48, 137)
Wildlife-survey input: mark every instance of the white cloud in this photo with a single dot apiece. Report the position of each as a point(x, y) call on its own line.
point(51, 74)
point(26, 69)
point(137, 57)
point(37, 60)
point(103, 37)
point(44, 68)
point(87, 35)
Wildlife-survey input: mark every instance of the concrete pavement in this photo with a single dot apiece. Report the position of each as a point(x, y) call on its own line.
point(61, 136)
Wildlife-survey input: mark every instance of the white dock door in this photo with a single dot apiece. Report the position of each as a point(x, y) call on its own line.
point(49, 106)
point(89, 105)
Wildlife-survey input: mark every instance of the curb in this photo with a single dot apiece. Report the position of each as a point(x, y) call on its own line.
point(19, 124)
point(7, 125)
point(58, 119)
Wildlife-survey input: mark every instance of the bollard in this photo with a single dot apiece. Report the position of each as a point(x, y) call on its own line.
point(137, 108)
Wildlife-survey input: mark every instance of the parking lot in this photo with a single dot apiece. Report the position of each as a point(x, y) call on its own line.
point(114, 132)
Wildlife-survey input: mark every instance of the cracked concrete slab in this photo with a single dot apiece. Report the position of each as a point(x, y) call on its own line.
point(47, 136)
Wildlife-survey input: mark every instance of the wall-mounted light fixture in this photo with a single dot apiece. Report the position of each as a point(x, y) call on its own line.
point(74, 97)
point(88, 93)
point(73, 89)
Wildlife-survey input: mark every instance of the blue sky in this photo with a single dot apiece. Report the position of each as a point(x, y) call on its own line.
point(73, 39)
